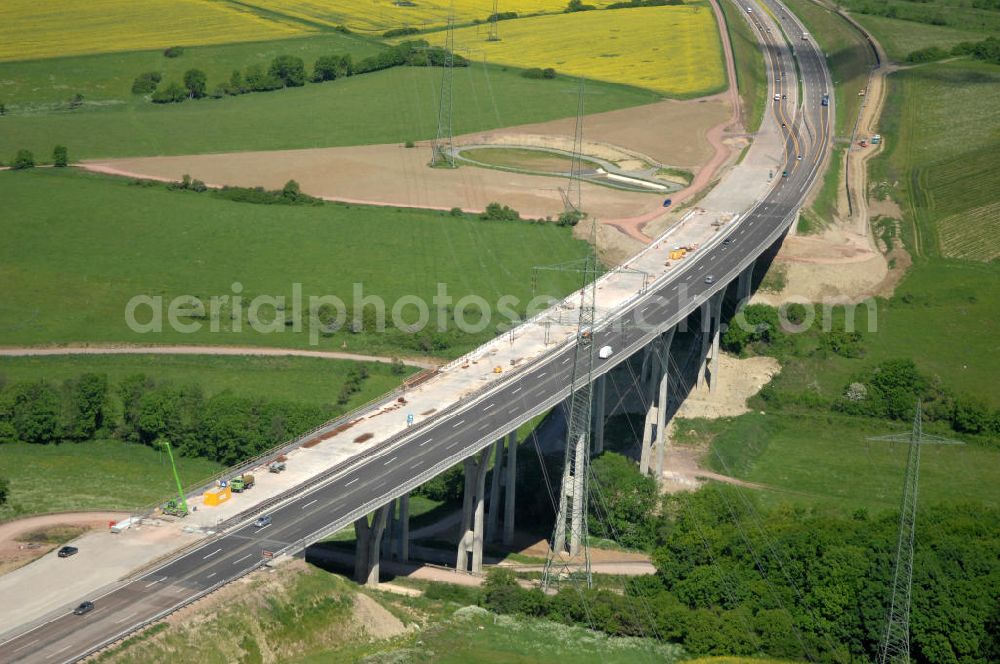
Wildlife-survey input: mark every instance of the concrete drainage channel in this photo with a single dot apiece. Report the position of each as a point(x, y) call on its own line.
point(593, 169)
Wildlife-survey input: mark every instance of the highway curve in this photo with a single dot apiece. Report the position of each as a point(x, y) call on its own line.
point(400, 464)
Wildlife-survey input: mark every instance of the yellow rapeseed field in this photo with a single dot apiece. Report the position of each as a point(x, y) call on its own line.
point(377, 16)
point(674, 50)
point(31, 29)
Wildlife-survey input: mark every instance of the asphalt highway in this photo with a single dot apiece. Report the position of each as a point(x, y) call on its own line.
point(436, 444)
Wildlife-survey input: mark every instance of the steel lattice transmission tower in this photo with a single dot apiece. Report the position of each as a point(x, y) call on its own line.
point(569, 552)
point(443, 149)
point(573, 187)
point(896, 643)
point(494, 28)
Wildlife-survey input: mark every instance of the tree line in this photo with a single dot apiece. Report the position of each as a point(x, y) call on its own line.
point(289, 71)
point(735, 579)
point(224, 427)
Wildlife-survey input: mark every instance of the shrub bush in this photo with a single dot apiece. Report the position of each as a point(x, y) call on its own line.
point(23, 159)
point(173, 52)
point(60, 156)
point(172, 94)
point(146, 83)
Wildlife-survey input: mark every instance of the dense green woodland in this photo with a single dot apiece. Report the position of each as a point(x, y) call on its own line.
point(224, 427)
point(734, 579)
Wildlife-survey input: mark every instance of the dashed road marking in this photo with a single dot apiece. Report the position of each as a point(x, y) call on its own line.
point(389, 461)
point(352, 481)
point(310, 503)
point(161, 580)
point(211, 554)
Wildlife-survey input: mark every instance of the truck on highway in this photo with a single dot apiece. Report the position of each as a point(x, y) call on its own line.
point(605, 352)
point(244, 481)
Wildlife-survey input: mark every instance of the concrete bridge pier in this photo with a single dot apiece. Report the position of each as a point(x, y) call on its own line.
point(600, 404)
point(743, 285)
point(500, 511)
point(654, 434)
point(711, 319)
point(369, 544)
point(473, 508)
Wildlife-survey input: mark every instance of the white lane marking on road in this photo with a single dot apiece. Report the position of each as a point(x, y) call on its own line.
point(419, 463)
point(31, 643)
point(124, 618)
point(457, 424)
point(263, 528)
point(567, 360)
point(452, 445)
point(160, 580)
point(517, 390)
point(211, 575)
point(541, 374)
point(238, 561)
point(485, 408)
point(483, 426)
point(352, 481)
point(389, 461)
point(425, 442)
point(212, 554)
point(50, 656)
point(511, 410)
point(310, 503)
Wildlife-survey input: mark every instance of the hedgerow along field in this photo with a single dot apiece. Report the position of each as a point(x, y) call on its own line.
point(128, 240)
point(306, 380)
point(34, 86)
point(391, 106)
point(381, 15)
point(672, 50)
point(58, 28)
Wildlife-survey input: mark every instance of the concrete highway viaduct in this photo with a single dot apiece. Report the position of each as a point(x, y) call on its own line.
point(469, 412)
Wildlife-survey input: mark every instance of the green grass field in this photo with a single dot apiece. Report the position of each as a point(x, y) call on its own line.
point(751, 78)
point(92, 475)
point(945, 316)
point(78, 247)
point(299, 379)
point(824, 460)
point(391, 106)
point(942, 141)
point(899, 38)
point(848, 56)
point(489, 639)
point(33, 86)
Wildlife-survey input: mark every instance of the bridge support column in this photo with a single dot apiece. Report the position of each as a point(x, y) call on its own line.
point(743, 285)
point(473, 507)
point(511, 479)
point(389, 537)
point(404, 527)
point(654, 430)
point(493, 517)
point(711, 316)
point(368, 547)
point(600, 396)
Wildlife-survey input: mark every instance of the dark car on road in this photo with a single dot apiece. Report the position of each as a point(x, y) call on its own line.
point(68, 551)
point(85, 607)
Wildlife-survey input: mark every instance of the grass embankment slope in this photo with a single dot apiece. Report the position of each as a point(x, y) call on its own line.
point(671, 50)
point(129, 240)
point(751, 76)
point(391, 106)
point(91, 475)
point(29, 29)
point(309, 616)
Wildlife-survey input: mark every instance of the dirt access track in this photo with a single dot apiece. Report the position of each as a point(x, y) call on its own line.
point(14, 554)
point(674, 133)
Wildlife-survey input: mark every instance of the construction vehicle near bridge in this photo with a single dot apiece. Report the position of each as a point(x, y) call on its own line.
point(244, 481)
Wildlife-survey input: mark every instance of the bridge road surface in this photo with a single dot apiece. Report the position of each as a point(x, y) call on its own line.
point(464, 428)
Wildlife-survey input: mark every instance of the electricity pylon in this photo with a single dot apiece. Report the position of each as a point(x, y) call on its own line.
point(896, 643)
point(573, 187)
point(494, 28)
point(443, 153)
